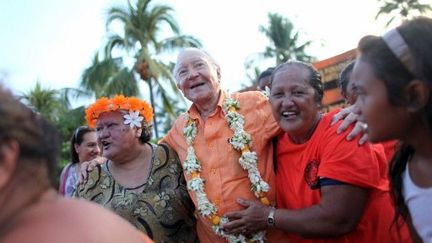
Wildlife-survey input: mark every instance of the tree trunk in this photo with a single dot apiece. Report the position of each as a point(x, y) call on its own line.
point(154, 109)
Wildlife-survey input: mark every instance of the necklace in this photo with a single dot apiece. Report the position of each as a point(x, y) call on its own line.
point(240, 141)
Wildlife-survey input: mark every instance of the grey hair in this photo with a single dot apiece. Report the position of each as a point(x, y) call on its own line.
point(206, 54)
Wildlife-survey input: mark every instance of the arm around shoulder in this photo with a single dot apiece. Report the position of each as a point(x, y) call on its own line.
point(338, 213)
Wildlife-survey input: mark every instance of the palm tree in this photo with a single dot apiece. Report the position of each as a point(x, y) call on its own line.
point(142, 24)
point(54, 105)
point(108, 77)
point(284, 40)
point(252, 69)
point(401, 9)
point(47, 102)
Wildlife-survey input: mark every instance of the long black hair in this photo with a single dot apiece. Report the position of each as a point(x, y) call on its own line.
point(417, 34)
point(78, 138)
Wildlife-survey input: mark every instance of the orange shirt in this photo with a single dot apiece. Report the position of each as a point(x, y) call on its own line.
point(329, 155)
point(225, 180)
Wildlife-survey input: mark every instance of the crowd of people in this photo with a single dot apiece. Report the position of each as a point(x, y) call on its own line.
point(240, 167)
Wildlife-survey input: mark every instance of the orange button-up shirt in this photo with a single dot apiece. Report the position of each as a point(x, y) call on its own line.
point(225, 180)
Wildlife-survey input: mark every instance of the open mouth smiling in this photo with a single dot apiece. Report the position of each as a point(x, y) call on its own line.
point(196, 85)
point(288, 114)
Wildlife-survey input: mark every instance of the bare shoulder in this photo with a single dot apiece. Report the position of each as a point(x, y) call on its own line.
point(73, 220)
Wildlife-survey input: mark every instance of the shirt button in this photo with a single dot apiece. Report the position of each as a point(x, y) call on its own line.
point(213, 171)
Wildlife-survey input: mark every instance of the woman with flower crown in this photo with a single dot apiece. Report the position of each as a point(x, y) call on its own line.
point(140, 181)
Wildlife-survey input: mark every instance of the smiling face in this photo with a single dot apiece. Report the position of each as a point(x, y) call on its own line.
point(385, 121)
point(88, 149)
point(197, 76)
point(293, 100)
point(116, 138)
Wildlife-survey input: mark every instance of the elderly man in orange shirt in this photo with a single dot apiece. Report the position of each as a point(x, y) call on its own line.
point(225, 144)
point(214, 142)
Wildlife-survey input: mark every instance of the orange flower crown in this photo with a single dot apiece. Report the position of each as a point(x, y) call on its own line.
point(118, 102)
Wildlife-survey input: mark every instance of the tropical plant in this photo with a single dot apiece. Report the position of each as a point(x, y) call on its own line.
point(54, 105)
point(108, 77)
point(142, 24)
point(401, 9)
point(284, 40)
point(252, 69)
point(47, 102)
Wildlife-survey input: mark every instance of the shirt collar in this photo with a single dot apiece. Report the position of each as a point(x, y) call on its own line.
point(193, 110)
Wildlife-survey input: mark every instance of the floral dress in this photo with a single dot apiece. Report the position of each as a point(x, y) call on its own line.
point(161, 207)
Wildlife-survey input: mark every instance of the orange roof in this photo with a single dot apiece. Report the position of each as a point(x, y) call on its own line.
point(351, 54)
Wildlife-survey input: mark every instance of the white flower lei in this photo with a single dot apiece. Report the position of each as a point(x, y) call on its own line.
point(241, 141)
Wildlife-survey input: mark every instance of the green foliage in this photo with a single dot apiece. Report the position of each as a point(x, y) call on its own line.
point(142, 24)
point(401, 9)
point(284, 40)
point(46, 102)
point(108, 77)
point(54, 105)
point(252, 70)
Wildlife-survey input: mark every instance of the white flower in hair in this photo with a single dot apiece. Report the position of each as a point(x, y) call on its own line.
point(133, 119)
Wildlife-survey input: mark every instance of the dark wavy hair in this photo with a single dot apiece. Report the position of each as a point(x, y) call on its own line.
point(264, 74)
point(417, 33)
point(147, 133)
point(78, 138)
point(314, 77)
point(37, 139)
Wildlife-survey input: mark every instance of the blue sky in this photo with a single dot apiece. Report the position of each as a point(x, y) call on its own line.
point(54, 41)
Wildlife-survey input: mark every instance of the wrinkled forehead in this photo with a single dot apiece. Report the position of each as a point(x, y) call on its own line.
point(187, 56)
point(291, 73)
point(112, 116)
point(190, 56)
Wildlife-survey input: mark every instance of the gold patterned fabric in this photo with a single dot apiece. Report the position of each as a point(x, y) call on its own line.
point(161, 207)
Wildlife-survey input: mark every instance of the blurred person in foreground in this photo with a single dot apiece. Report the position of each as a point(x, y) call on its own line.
point(393, 76)
point(30, 208)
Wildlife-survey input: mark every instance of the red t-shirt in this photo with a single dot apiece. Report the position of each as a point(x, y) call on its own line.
point(389, 148)
point(329, 155)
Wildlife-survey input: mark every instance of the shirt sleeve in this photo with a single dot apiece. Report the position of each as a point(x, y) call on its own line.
point(348, 162)
point(173, 134)
point(260, 104)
